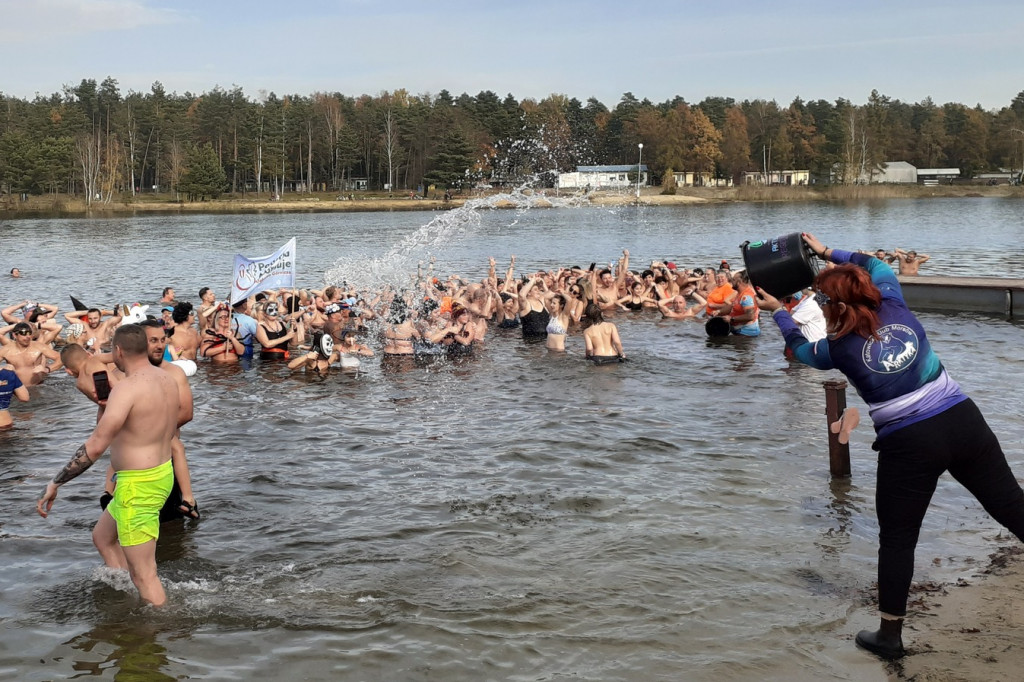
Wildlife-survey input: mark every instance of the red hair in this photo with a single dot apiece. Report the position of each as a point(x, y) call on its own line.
point(851, 285)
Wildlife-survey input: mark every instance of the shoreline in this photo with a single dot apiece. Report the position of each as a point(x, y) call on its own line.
point(63, 206)
point(968, 630)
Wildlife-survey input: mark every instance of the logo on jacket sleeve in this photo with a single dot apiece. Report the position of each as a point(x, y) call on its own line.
point(896, 348)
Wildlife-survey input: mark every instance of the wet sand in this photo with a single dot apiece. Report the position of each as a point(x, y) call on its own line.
point(970, 631)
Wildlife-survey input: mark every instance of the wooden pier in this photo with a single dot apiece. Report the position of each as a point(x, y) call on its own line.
point(992, 295)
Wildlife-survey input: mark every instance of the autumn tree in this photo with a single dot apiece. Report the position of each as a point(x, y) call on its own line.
point(735, 144)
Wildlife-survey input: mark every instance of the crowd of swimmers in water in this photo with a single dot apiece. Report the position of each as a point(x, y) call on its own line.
point(314, 330)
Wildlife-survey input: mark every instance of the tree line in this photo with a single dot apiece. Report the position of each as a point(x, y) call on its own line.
point(93, 140)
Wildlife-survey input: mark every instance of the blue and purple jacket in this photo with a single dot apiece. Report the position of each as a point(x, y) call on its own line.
point(898, 375)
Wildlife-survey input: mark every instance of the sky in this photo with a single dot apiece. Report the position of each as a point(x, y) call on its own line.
point(971, 53)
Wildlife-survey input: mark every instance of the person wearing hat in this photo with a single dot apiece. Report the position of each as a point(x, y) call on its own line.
point(98, 331)
point(39, 315)
point(28, 357)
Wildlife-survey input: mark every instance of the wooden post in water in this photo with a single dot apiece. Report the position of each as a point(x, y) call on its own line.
point(838, 453)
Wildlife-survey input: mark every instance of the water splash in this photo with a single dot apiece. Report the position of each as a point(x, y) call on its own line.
point(397, 267)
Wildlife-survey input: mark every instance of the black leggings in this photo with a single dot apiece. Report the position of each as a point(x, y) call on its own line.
point(910, 461)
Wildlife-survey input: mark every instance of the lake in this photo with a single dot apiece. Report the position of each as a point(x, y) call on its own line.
point(515, 515)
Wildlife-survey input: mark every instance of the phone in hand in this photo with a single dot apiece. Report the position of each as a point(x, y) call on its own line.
point(592, 266)
point(102, 382)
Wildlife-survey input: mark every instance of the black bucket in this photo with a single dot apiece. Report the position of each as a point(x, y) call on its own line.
point(781, 266)
point(717, 327)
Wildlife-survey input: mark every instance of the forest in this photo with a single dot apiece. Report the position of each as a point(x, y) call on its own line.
point(92, 140)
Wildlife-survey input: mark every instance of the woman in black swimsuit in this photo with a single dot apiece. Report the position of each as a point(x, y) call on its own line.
point(637, 298)
point(272, 333)
point(532, 314)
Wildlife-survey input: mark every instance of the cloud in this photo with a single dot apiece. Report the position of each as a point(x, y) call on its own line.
point(41, 20)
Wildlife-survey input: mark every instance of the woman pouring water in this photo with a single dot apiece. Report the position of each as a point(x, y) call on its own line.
point(924, 423)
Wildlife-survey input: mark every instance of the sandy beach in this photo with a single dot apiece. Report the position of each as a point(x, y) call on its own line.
point(970, 631)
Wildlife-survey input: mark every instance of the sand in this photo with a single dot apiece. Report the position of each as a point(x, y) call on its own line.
point(970, 631)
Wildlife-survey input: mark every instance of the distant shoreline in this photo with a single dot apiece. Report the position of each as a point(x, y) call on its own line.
point(63, 206)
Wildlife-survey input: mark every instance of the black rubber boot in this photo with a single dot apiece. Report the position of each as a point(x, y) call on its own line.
point(886, 642)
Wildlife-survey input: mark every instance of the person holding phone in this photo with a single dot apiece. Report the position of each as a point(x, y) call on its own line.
point(138, 423)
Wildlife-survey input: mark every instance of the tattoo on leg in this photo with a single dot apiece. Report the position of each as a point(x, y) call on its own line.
point(79, 463)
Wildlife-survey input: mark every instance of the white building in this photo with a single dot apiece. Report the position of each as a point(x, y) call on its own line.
point(936, 176)
point(779, 177)
point(602, 177)
point(896, 172)
point(697, 179)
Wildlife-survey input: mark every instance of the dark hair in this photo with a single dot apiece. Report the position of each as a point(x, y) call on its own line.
point(647, 272)
point(202, 292)
point(167, 290)
point(131, 339)
point(603, 272)
point(398, 312)
point(593, 314)
point(94, 310)
point(152, 323)
point(22, 326)
point(851, 285)
point(240, 305)
point(181, 312)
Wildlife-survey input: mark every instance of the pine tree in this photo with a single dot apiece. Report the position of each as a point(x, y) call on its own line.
point(204, 176)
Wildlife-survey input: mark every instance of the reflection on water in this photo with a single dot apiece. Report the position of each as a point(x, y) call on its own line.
point(515, 515)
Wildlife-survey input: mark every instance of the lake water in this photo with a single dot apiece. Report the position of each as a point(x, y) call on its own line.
point(514, 516)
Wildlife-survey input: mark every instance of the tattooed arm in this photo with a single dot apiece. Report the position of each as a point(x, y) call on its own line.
point(113, 418)
point(79, 463)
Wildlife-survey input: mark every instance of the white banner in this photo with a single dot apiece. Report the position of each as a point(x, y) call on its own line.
point(253, 275)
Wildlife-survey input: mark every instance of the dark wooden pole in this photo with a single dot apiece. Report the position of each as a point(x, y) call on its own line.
point(838, 453)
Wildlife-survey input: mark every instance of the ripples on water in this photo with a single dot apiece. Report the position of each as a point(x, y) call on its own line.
point(515, 515)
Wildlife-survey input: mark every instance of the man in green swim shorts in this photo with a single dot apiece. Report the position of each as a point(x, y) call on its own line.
point(140, 419)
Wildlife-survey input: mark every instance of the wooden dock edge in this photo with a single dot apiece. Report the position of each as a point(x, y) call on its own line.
point(991, 295)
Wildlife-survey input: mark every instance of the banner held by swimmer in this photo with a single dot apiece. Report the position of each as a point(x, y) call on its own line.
point(253, 275)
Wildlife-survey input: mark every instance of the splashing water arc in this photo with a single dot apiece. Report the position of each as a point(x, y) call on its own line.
point(397, 266)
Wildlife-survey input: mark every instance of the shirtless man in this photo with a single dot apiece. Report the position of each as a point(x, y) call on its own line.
point(167, 296)
point(676, 308)
point(29, 357)
point(138, 425)
point(181, 496)
point(185, 338)
point(40, 315)
point(79, 364)
point(909, 261)
point(609, 288)
point(97, 332)
point(207, 307)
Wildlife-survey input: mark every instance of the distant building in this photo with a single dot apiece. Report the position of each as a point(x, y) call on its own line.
point(696, 179)
point(890, 172)
point(602, 177)
point(780, 177)
point(937, 176)
point(896, 172)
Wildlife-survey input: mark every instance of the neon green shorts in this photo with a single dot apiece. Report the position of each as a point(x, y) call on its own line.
point(138, 497)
